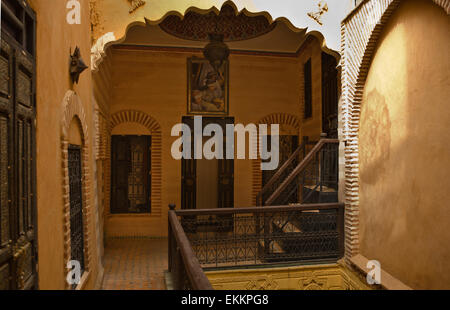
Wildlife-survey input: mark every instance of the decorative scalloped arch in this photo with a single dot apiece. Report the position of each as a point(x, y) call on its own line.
point(360, 33)
point(274, 118)
point(108, 39)
point(139, 117)
point(73, 109)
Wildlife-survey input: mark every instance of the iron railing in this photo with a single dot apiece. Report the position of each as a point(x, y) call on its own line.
point(255, 236)
point(285, 169)
point(313, 180)
point(185, 270)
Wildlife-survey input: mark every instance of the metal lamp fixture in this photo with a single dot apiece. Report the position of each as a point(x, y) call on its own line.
point(216, 51)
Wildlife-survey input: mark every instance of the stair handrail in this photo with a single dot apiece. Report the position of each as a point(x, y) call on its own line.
point(299, 168)
point(281, 170)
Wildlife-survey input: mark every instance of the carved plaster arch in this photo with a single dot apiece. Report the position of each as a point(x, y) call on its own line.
point(360, 33)
point(73, 109)
point(274, 118)
point(98, 50)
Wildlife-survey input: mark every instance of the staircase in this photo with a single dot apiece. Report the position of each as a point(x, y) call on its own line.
point(308, 176)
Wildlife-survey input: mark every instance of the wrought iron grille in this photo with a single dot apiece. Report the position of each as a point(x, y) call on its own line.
point(76, 206)
point(313, 180)
point(287, 165)
point(184, 268)
point(258, 236)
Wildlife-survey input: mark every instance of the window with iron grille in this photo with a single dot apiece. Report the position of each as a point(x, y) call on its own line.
point(308, 89)
point(76, 206)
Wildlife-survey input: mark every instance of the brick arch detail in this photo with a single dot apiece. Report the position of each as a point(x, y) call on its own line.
point(361, 31)
point(72, 108)
point(139, 117)
point(274, 118)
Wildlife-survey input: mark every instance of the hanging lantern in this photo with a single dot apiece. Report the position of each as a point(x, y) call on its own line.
point(216, 51)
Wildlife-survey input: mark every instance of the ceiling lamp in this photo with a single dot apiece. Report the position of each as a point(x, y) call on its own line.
point(216, 51)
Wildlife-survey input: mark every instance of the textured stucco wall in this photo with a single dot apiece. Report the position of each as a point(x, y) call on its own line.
point(55, 38)
point(405, 122)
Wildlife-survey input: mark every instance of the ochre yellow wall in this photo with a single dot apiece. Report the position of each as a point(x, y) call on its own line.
point(156, 83)
point(404, 149)
point(75, 133)
point(55, 38)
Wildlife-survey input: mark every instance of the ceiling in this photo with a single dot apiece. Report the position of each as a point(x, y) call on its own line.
point(243, 31)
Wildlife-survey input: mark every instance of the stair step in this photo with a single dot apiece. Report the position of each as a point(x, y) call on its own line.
point(276, 248)
point(288, 228)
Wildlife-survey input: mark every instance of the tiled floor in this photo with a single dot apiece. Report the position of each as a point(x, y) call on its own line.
point(135, 264)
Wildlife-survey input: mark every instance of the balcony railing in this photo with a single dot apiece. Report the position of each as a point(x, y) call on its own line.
point(187, 274)
point(237, 237)
point(313, 180)
point(284, 170)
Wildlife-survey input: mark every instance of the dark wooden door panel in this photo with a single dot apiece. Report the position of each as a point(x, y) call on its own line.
point(120, 169)
point(4, 182)
point(189, 174)
point(18, 246)
point(330, 96)
point(131, 174)
point(225, 170)
point(226, 183)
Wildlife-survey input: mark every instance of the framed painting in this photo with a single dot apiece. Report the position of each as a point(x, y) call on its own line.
point(207, 89)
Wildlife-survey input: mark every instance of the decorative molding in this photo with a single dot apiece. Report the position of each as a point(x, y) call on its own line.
point(135, 116)
point(175, 49)
point(135, 4)
point(73, 109)
point(314, 277)
point(98, 50)
point(322, 9)
point(274, 118)
point(360, 31)
point(234, 25)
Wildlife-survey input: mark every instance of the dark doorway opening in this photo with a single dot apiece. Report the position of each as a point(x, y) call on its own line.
point(207, 184)
point(330, 96)
point(130, 174)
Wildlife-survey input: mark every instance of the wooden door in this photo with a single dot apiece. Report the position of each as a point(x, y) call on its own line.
point(131, 174)
point(189, 170)
point(18, 244)
point(226, 173)
point(189, 173)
